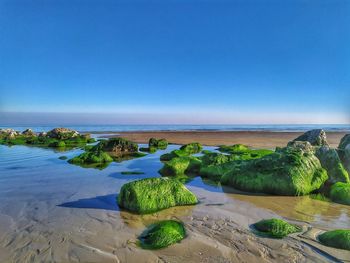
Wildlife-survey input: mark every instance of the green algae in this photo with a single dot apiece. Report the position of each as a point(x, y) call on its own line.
point(181, 166)
point(162, 234)
point(161, 144)
point(339, 238)
point(288, 171)
point(340, 193)
point(275, 228)
point(132, 172)
point(154, 194)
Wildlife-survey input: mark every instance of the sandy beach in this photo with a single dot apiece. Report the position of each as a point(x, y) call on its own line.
point(255, 139)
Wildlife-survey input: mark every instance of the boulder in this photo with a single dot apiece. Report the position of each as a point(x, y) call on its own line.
point(315, 137)
point(62, 133)
point(181, 166)
point(118, 146)
point(162, 234)
point(9, 133)
point(305, 146)
point(276, 228)
point(154, 194)
point(345, 141)
point(158, 144)
point(28, 132)
point(288, 171)
point(340, 193)
point(339, 238)
point(330, 161)
point(192, 148)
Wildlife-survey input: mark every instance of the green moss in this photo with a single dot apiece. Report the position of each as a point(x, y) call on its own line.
point(339, 238)
point(162, 234)
point(180, 166)
point(236, 148)
point(345, 141)
point(154, 194)
point(320, 197)
point(173, 154)
point(331, 162)
point(275, 228)
point(340, 193)
point(60, 144)
point(286, 172)
point(92, 157)
point(158, 144)
point(132, 172)
point(192, 148)
point(117, 146)
point(63, 157)
point(148, 149)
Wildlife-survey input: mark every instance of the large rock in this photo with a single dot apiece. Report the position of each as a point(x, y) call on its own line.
point(305, 146)
point(158, 144)
point(62, 133)
point(28, 132)
point(118, 146)
point(315, 137)
point(10, 133)
point(330, 161)
point(181, 166)
point(288, 171)
point(345, 141)
point(340, 193)
point(154, 194)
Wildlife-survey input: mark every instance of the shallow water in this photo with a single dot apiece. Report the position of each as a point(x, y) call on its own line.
point(43, 197)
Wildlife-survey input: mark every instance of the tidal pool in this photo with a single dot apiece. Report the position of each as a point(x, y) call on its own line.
point(51, 210)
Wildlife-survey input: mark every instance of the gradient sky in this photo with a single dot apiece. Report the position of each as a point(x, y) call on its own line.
point(239, 61)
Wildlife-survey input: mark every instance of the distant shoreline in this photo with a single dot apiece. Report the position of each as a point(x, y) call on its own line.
point(255, 139)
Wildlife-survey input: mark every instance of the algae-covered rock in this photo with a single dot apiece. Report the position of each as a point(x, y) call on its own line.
point(158, 144)
point(305, 146)
point(330, 161)
point(28, 132)
point(92, 157)
point(180, 166)
point(192, 148)
point(345, 141)
point(173, 154)
point(162, 234)
point(236, 148)
point(215, 165)
point(276, 228)
point(287, 172)
point(62, 133)
point(315, 137)
point(339, 238)
point(340, 193)
point(154, 194)
point(118, 146)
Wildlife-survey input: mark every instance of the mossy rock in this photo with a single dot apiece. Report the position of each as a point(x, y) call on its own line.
point(173, 154)
point(158, 144)
point(340, 193)
point(92, 157)
point(192, 148)
point(181, 166)
point(153, 194)
point(148, 149)
point(117, 146)
point(339, 238)
point(162, 234)
point(345, 141)
point(316, 137)
point(287, 172)
point(275, 228)
point(331, 162)
point(236, 148)
point(215, 165)
point(60, 144)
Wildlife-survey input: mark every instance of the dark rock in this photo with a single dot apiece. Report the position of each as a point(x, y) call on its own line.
point(315, 137)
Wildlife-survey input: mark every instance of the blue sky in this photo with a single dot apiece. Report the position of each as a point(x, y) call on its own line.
point(178, 61)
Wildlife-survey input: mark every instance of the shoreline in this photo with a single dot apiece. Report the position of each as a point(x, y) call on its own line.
point(255, 139)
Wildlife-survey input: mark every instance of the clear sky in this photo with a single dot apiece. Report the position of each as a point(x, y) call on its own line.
point(238, 61)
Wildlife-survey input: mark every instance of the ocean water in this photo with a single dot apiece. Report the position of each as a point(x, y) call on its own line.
point(236, 127)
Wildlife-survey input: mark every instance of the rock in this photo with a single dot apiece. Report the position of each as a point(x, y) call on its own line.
point(236, 148)
point(185, 150)
point(192, 148)
point(118, 146)
point(180, 166)
point(305, 146)
point(345, 141)
point(42, 134)
point(339, 238)
point(289, 171)
point(162, 234)
point(340, 193)
point(10, 133)
point(92, 158)
point(154, 194)
point(28, 132)
point(275, 228)
point(330, 161)
point(315, 137)
point(62, 133)
point(158, 144)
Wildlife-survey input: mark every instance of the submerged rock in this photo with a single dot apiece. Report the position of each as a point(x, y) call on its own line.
point(180, 166)
point(288, 171)
point(330, 161)
point(340, 193)
point(339, 238)
point(275, 228)
point(315, 137)
point(162, 234)
point(154, 194)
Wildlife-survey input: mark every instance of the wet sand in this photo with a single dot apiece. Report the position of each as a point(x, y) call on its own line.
point(256, 139)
